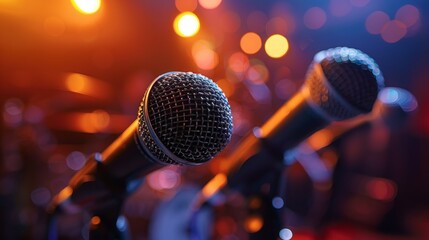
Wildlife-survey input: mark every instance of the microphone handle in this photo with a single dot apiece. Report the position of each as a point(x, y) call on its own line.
point(108, 177)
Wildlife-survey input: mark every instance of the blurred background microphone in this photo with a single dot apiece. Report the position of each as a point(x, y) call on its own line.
point(341, 83)
point(184, 119)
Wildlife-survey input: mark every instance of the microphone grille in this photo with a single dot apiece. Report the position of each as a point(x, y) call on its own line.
point(184, 118)
point(348, 84)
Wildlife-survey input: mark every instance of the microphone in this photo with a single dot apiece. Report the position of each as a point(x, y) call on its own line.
point(183, 119)
point(341, 83)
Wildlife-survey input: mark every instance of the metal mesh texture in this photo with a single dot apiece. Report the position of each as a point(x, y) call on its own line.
point(189, 114)
point(352, 82)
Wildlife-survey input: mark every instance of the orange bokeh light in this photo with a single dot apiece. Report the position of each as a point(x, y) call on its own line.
point(250, 43)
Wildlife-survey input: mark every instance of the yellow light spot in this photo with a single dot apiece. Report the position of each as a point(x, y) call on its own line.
point(186, 24)
point(253, 224)
point(87, 6)
point(276, 46)
point(210, 4)
point(250, 43)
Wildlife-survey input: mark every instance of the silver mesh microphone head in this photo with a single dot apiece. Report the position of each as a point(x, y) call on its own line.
point(343, 82)
point(184, 118)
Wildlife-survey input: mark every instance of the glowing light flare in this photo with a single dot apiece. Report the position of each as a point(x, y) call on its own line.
point(250, 43)
point(87, 6)
point(210, 4)
point(186, 24)
point(375, 21)
point(214, 185)
point(253, 224)
point(314, 18)
point(320, 139)
point(186, 5)
point(393, 31)
point(276, 46)
point(408, 15)
point(95, 220)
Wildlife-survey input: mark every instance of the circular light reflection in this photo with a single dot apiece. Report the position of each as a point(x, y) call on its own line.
point(285, 234)
point(375, 21)
point(393, 31)
point(276, 46)
point(87, 6)
point(186, 5)
point(314, 18)
point(408, 15)
point(186, 24)
point(250, 43)
point(210, 4)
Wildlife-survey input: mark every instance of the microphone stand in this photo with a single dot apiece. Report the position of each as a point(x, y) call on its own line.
point(106, 222)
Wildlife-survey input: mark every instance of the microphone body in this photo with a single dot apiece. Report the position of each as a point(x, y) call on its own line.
point(341, 83)
point(184, 119)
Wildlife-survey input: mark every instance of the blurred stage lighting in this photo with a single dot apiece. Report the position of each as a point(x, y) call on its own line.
point(186, 24)
point(87, 6)
point(276, 46)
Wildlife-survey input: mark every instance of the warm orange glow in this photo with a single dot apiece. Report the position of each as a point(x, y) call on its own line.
point(204, 55)
point(320, 139)
point(95, 220)
point(275, 121)
point(238, 62)
point(87, 6)
point(54, 26)
point(253, 224)
point(93, 122)
point(77, 83)
point(186, 5)
point(210, 4)
point(250, 43)
point(212, 187)
point(186, 24)
point(227, 87)
point(276, 46)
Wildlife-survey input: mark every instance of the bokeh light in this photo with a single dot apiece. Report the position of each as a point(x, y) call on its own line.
point(339, 8)
point(276, 46)
point(285, 234)
point(393, 31)
point(204, 55)
point(186, 5)
point(210, 4)
point(408, 15)
point(186, 24)
point(314, 18)
point(253, 224)
point(87, 6)
point(250, 43)
point(375, 21)
point(238, 62)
